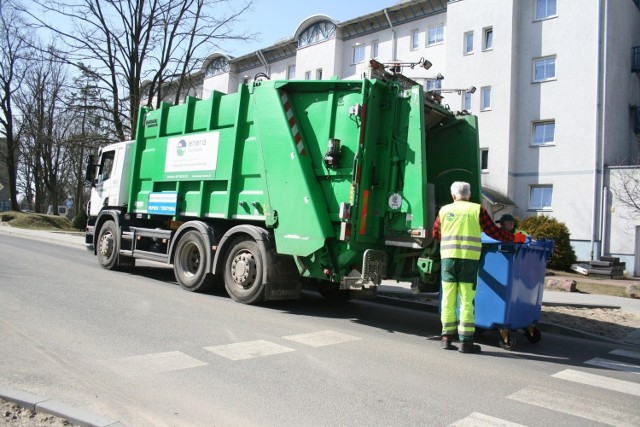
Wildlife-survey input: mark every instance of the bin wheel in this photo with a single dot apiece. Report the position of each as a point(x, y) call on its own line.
point(533, 334)
point(507, 341)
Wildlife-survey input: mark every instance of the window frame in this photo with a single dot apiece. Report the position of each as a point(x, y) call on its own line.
point(435, 42)
point(464, 101)
point(547, 15)
point(289, 76)
point(534, 63)
point(414, 40)
point(467, 49)
point(433, 85)
point(541, 207)
point(375, 49)
point(307, 75)
point(485, 41)
point(483, 107)
point(358, 48)
point(484, 160)
point(536, 123)
point(318, 73)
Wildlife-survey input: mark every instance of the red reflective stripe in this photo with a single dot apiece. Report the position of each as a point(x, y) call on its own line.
point(364, 211)
point(358, 174)
point(292, 123)
point(362, 125)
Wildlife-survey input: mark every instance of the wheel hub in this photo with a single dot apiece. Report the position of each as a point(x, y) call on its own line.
point(106, 244)
point(243, 269)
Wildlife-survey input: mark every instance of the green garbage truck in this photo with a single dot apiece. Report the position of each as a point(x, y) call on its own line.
point(285, 184)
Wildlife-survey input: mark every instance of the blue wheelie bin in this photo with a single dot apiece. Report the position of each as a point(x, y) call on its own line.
point(510, 286)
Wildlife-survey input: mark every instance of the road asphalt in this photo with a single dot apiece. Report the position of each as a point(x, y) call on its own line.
point(389, 292)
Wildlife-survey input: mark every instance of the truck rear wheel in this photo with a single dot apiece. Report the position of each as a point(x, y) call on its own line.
point(189, 263)
point(243, 272)
point(107, 246)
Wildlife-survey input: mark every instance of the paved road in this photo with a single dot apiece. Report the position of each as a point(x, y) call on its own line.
point(142, 351)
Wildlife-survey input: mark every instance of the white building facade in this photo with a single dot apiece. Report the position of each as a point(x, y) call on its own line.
point(557, 93)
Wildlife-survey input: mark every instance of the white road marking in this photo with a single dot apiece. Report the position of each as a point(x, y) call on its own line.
point(248, 349)
point(477, 419)
point(148, 364)
point(614, 364)
point(322, 338)
point(590, 409)
point(614, 384)
point(626, 353)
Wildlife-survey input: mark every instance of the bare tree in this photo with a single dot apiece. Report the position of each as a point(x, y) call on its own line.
point(131, 41)
point(625, 186)
point(47, 128)
point(14, 59)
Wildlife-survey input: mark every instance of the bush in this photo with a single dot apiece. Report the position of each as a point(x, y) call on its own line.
point(80, 220)
point(545, 227)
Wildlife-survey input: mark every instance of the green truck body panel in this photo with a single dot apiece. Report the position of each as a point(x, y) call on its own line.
point(332, 167)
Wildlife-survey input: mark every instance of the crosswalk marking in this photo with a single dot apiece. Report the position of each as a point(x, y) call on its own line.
point(322, 338)
point(248, 349)
point(599, 381)
point(614, 364)
point(477, 419)
point(595, 410)
point(626, 353)
point(147, 364)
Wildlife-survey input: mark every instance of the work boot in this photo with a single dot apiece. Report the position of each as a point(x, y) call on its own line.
point(446, 343)
point(469, 347)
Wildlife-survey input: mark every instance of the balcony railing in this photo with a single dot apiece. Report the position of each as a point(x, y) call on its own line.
point(635, 59)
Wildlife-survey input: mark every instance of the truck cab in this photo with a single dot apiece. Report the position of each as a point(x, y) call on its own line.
point(109, 177)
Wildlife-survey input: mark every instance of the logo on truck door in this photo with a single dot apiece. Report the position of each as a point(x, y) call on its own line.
point(192, 156)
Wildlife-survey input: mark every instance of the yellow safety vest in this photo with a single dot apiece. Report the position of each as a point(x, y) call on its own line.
point(460, 230)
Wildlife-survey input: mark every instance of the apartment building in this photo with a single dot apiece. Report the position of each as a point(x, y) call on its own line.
point(555, 84)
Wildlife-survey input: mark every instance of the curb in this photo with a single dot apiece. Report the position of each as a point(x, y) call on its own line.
point(45, 405)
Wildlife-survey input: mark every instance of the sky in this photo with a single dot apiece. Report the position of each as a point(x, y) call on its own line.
point(277, 19)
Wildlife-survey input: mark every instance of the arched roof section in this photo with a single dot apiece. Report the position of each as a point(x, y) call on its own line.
point(215, 63)
point(315, 29)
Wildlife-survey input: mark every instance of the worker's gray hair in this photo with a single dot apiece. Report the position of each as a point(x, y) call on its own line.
point(461, 189)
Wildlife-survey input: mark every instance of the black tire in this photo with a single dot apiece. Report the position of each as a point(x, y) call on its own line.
point(107, 246)
point(533, 334)
point(189, 263)
point(243, 266)
point(509, 344)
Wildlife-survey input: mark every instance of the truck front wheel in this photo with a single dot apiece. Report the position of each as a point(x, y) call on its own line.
point(107, 246)
point(243, 272)
point(189, 263)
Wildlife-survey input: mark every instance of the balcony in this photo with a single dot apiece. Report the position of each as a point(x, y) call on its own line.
point(635, 59)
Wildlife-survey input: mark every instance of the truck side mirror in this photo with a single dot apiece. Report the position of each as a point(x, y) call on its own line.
point(90, 175)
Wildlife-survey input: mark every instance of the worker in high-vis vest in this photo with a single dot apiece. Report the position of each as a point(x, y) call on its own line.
point(458, 227)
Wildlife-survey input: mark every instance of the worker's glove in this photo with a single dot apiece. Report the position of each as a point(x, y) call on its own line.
point(519, 238)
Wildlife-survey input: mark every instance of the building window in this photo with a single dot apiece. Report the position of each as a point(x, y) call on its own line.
point(544, 132)
point(544, 69)
point(435, 35)
point(466, 101)
point(316, 33)
point(375, 49)
point(468, 43)
point(319, 74)
point(358, 55)
point(433, 85)
point(307, 75)
point(545, 9)
point(415, 38)
point(487, 38)
point(218, 66)
point(484, 159)
point(291, 72)
point(485, 98)
point(540, 196)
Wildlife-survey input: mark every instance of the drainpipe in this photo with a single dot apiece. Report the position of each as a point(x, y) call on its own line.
point(598, 151)
point(393, 37)
point(605, 204)
point(264, 62)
